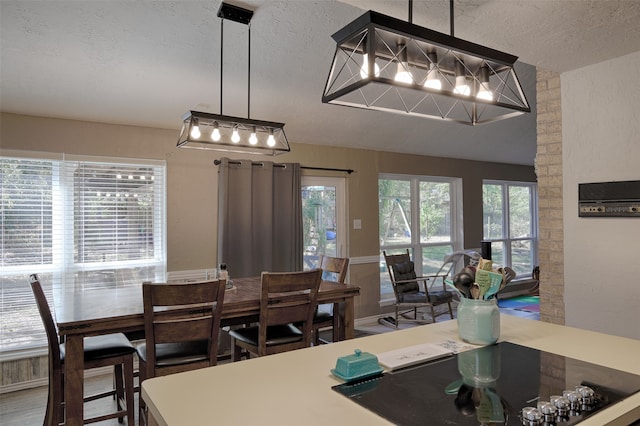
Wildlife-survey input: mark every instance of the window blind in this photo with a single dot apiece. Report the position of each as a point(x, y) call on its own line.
point(82, 223)
point(26, 187)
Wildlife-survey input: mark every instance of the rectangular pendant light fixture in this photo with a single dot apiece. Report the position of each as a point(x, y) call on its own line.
point(386, 64)
point(218, 132)
point(214, 132)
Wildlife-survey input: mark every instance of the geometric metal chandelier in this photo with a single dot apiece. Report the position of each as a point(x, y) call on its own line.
point(386, 64)
point(218, 132)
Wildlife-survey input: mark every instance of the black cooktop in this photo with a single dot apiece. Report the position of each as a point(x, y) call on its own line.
point(503, 384)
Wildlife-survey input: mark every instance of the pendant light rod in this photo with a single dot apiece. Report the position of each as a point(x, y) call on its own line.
point(249, 71)
point(451, 18)
point(241, 16)
point(410, 11)
point(221, 60)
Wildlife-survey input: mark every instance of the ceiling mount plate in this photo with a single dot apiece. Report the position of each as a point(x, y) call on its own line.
point(235, 13)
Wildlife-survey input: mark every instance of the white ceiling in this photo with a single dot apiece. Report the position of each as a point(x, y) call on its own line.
point(148, 62)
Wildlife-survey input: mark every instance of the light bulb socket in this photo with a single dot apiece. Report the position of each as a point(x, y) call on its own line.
point(401, 52)
point(433, 59)
point(459, 68)
point(483, 74)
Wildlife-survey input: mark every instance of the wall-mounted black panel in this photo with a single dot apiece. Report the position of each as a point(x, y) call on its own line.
point(609, 199)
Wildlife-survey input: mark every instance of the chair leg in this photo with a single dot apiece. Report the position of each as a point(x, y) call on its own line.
point(130, 390)
point(120, 391)
point(450, 310)
point(397, 316)
point(54, 413)
point(142, 418)
point(56, 410)
point(236, 351)
point(336, 323)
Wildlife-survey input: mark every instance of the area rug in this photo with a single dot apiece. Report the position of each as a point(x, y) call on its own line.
point(521, 303)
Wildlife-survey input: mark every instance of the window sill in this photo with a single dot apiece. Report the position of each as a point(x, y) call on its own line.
point(23, 354)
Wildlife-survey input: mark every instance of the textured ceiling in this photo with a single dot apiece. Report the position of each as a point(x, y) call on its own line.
point(147, 62)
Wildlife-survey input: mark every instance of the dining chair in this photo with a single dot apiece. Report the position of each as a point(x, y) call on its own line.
point(412, 292)
point(329, 315)
point(99, 351)
point(182, 328)
point(287, 303)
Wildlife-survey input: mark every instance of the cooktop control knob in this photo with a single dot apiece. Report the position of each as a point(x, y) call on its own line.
point(588, 397)
point(548, 411)
point(575, 401)
point(562, 405)
point(531, 416)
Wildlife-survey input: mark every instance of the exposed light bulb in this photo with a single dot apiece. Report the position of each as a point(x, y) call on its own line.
point(364, 70)
point(271, 141)
point(253, 139)
point(433, 82)
point(195, 131)
point(483, 91)
point(235, 137)
point(484, 94)
point(462, 88)
point(215, 134)
point(403, 75)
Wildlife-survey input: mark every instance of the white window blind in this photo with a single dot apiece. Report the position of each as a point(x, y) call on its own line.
point(26, 216)
point(81, 223)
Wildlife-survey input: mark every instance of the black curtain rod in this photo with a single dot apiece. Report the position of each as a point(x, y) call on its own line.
point(326, 169)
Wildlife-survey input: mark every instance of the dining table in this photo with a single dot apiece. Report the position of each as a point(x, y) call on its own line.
point(84, 313)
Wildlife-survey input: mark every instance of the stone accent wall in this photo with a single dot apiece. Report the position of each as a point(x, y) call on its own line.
point(550, 209)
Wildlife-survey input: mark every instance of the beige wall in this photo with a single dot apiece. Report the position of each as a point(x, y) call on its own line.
point(192, 185)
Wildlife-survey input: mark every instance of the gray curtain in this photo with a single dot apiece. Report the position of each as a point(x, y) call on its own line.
point(259, 217)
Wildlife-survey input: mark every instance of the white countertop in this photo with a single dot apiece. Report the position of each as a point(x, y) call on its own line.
point(295, 387)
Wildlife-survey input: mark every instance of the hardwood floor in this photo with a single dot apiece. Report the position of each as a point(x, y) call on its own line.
point(27, 407)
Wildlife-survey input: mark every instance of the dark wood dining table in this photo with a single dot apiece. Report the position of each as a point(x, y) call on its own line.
point(80, 314)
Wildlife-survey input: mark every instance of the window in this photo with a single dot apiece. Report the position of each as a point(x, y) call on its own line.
point(82, 223)
point(419, 213)
point(510, 223)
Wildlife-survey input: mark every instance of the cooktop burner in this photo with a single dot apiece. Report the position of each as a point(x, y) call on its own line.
point(505, 384)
